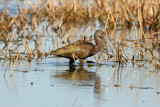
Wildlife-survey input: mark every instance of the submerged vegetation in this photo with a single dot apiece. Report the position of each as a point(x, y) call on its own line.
point(130, 24)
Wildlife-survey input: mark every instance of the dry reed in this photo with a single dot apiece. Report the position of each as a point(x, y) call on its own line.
point(63, 17)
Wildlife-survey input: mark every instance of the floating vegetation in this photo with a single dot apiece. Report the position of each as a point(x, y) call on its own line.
point(132, 25)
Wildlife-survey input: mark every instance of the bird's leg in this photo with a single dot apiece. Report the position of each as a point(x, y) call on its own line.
point(74, 58)
point(71, 61)
point(81, 61)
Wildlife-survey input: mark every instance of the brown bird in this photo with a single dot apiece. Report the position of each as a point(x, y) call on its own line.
point(82, 50)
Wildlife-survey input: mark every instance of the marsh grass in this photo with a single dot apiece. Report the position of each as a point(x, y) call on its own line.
point(63, 17)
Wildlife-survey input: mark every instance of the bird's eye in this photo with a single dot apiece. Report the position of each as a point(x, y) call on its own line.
point(102, 34)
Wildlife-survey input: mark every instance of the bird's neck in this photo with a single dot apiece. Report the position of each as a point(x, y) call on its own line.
point(97, 48)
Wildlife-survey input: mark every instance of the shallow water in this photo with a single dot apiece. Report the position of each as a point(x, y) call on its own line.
point(52, 82)
point(48, 84)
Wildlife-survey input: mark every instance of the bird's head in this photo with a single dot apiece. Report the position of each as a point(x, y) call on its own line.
point(100, 37)
point(102, 40)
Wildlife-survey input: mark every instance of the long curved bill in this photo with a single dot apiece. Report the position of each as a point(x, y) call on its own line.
point(108, 42)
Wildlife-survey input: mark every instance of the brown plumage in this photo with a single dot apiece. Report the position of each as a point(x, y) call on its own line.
point(82, 50)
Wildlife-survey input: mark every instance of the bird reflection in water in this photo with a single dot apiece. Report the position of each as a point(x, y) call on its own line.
point(82, 75)
point(84, 78)
point(79, 74)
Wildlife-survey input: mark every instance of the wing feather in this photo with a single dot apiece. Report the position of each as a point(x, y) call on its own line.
point(80, 49)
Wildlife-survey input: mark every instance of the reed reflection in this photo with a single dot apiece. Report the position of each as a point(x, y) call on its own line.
point(11, 85)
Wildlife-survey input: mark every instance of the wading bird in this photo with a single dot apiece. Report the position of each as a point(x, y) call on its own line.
point(82, 50)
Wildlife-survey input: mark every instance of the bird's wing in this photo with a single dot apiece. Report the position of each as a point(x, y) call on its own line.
point(83, 50)
point(64, 51)
point(80, 49)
